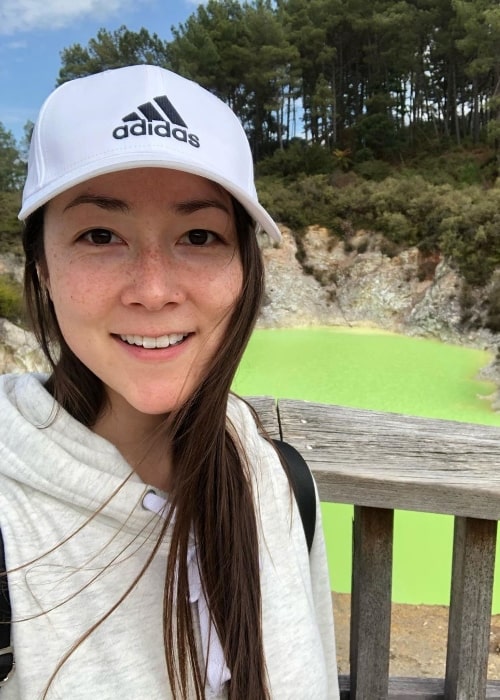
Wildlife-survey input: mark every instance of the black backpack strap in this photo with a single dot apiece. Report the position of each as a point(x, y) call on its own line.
point(6, 651)
point(302, 484)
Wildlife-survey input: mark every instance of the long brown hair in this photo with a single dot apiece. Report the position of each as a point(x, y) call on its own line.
point(211, 484)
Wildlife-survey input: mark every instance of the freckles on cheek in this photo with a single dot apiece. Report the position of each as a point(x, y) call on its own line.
point(76, 294)
point(228, 280)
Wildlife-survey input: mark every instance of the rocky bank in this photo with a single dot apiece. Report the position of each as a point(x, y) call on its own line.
point(359, 284)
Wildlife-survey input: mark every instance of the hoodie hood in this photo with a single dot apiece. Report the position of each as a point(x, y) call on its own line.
point(43, 448)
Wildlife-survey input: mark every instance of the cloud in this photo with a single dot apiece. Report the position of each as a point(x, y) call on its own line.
point(25, 15)
point(15, 45)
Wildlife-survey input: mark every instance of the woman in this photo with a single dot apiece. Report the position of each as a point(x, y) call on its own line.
point(153, 546)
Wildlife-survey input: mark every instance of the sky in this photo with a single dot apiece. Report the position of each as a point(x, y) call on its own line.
point(34, 32)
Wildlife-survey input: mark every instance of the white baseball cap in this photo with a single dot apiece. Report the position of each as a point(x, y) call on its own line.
point(138, 116)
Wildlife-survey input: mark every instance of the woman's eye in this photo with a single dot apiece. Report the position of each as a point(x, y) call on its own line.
point(100, 236)
point(199, 237)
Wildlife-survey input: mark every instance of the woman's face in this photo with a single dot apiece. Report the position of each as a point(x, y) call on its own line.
point(143, 269)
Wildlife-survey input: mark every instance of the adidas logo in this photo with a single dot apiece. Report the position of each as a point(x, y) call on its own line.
point(157, 117)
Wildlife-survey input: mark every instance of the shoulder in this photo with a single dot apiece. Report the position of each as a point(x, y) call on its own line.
point(239, 414)
point(259, 452)
point(271, 488)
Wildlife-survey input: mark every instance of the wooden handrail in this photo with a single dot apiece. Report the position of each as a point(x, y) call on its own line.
point(380, 462)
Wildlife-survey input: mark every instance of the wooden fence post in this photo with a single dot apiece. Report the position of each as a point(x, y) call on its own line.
point(470, 608)
point(371, 603)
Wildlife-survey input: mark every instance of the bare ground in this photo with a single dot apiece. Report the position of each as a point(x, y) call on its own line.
point(418, 639)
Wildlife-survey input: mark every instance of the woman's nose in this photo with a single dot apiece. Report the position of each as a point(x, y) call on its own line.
point(154, 280)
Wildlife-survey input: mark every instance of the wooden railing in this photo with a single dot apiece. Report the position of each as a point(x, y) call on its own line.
point(380, 462)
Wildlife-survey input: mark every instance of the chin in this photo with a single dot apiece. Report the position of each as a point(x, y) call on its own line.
point(162, 405)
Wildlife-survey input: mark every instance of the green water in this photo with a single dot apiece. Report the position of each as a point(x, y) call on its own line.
point(387, 372)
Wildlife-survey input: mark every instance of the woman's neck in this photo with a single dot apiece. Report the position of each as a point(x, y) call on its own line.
point(141, 441)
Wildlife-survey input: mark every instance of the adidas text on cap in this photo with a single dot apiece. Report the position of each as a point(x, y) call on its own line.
point(133, 117)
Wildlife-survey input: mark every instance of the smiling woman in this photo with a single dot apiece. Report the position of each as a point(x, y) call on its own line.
point(152, 543)
point(149, 254)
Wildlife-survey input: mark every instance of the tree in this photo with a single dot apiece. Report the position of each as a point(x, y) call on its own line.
point(12, 168)
point(241, 53)
point(122, 47)
point(24, 143)
point(480, 46)
point(207, 49)
point(269, 59)
point(311, 26)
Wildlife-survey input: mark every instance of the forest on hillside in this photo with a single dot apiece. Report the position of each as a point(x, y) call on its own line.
point(383, 115)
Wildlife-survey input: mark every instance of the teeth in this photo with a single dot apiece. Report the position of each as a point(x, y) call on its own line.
point(163, 341)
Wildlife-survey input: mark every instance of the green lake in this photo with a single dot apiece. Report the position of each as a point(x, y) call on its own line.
point(382, 371)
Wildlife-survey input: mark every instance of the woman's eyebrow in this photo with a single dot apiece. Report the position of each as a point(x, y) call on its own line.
point(113, 204)
point(109, 203)
point(193, 205)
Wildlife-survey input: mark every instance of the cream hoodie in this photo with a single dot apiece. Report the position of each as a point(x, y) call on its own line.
point(73, 521)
